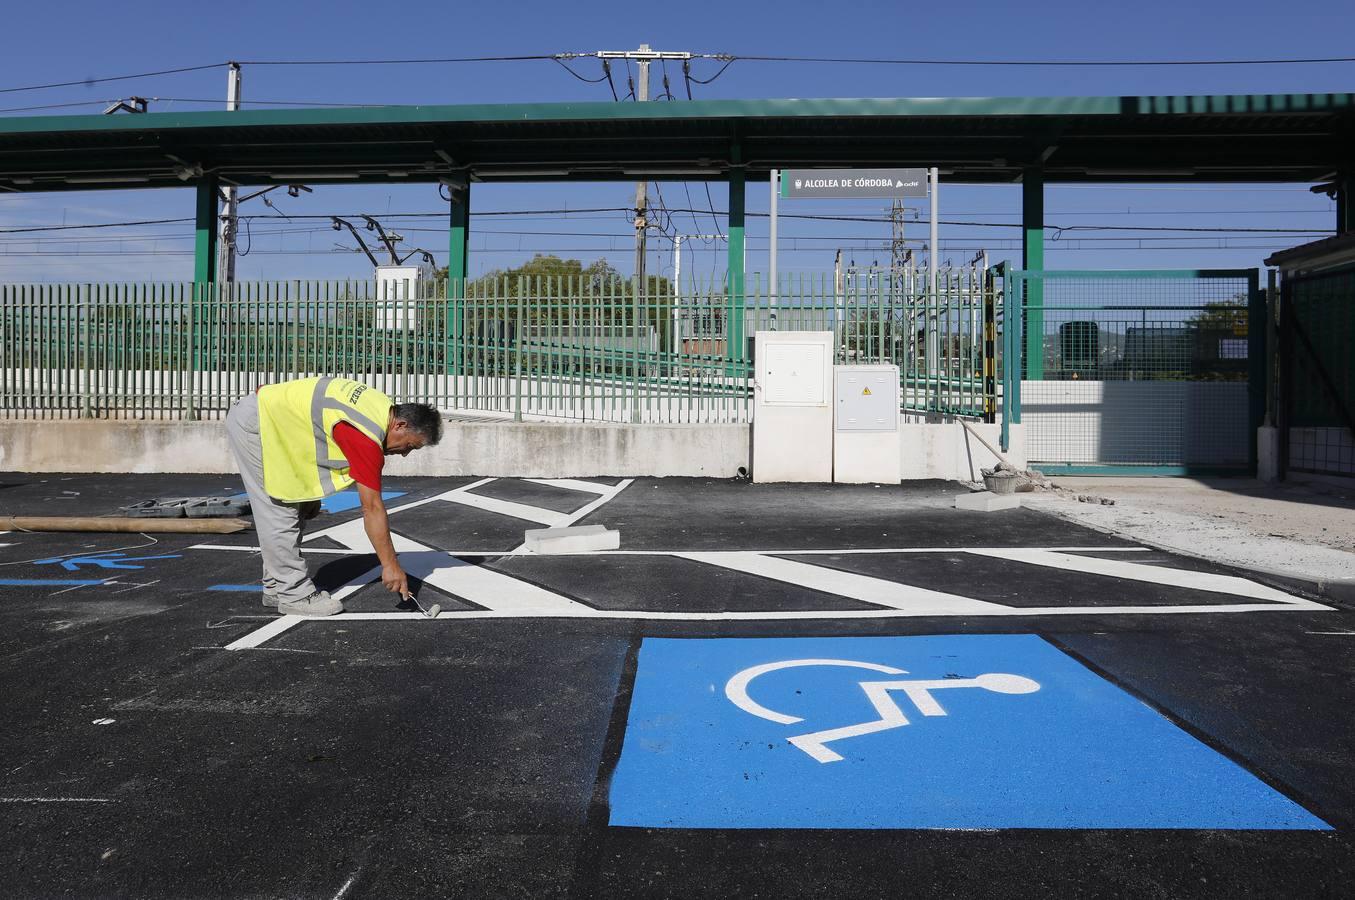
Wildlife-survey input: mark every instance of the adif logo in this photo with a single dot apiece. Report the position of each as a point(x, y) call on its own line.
point(919, 691)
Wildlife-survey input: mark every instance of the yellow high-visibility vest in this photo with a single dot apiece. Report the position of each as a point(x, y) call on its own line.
point(296, 425)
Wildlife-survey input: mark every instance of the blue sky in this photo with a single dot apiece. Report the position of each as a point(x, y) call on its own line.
point(70, 41)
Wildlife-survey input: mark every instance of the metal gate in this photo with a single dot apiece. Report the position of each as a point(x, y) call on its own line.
point(1137, 372)
point(1317, 414)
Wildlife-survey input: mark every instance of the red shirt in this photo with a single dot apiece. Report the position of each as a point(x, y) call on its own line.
point(365, 456)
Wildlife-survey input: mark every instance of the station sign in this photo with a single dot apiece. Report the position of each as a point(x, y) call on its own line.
point(853, 183)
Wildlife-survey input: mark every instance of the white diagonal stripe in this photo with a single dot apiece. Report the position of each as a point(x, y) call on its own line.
point(572, 484)
point(508, 508)
point(266, 633)
point(846, 584)
point(1200, 581)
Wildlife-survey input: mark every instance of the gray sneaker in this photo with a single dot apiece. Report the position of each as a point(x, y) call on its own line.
point(317, 604)
point(270, 600)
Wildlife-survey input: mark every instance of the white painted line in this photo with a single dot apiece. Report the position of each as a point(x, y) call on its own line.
point(605, 498)
point(346, 885)
point(918, 600)
point(252, 649)
point(792, 615)
point(56, 800)
point(770, 552)
point(1341, 633)
point(255, 549)
point(266, 633)
point(548, 517)
point(569, 484)
point(1200, 581)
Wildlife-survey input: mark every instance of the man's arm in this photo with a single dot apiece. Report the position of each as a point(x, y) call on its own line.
point(378, 532)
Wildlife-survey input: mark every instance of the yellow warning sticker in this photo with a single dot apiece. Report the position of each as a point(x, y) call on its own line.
point(865, 392)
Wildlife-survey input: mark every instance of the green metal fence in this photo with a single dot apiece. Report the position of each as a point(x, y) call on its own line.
point(1142, 372)
point(1317, 328)
point(540, 348)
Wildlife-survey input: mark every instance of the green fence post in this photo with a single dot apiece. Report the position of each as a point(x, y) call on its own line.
point(735, 349)
point(1256, 364)
point(518, 329)
point(1032, 263)
point(87, 345)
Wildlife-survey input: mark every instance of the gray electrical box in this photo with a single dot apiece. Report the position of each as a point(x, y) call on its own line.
point(867, 398)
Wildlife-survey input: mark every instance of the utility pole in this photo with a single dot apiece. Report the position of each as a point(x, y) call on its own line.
point(773, 275)
point(641, 201)
point(229, 220)
point(643, 57)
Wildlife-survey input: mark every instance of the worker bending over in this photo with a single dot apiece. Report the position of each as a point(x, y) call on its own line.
point(301, 441)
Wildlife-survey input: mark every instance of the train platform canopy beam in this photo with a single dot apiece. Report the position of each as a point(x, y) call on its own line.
point(1229, 138)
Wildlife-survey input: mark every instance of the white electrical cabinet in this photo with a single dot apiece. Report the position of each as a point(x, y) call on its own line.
point(397, 287)
point(792, 406)
point(866, 424)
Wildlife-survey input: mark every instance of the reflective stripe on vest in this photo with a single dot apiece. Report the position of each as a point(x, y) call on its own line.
point(296, 422)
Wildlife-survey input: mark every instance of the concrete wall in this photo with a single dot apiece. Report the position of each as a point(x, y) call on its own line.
point(478, 448)
point(467, 448)
point(949, 451)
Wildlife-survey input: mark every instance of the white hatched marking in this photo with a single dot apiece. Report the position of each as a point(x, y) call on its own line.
point(266, 633)
point(570, 484)
point(325, 532)
point(1200, 581)
point(916, 600)
point(481, 586)
point(548, 517)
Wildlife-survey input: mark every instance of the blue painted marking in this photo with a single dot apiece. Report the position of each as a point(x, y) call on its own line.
point(102, 561)
point(29, 582)
point(346, 500)
point(251, 588)
point(1074, 752)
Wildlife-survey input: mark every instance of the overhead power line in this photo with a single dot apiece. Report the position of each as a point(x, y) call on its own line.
point(670, 210)
point(404, 62)
point(1046, 62)
point(84, 81)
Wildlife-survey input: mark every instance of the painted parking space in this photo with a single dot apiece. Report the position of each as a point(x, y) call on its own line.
point(922, 732)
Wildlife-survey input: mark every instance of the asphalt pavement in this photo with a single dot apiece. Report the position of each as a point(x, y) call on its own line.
point(769, 691)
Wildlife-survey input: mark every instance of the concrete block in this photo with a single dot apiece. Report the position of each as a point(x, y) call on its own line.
point(575, 539)
point(1268, 453)
point(987, 501)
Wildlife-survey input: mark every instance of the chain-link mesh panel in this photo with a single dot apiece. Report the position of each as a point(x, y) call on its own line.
point(1135, 368)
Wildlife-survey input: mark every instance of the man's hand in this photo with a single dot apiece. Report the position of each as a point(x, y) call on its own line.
point(395, 580)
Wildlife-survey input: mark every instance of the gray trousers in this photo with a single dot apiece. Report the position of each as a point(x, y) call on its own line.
point(279, 525)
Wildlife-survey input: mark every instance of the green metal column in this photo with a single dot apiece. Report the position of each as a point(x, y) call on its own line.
point(1032, 260)
point(457, 258)
point(736, 349)
point(204, 244)
point(459, 250)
